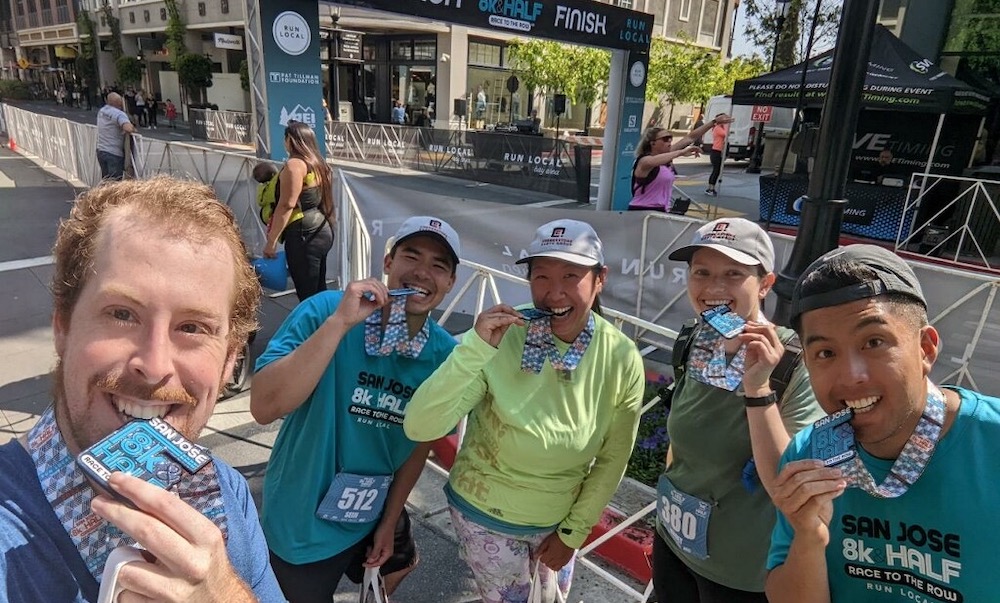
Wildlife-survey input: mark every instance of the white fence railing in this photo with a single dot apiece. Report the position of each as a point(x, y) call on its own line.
point(962, 224)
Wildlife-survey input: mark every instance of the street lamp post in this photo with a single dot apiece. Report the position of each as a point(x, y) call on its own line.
point(758, 144)
point(823, 207)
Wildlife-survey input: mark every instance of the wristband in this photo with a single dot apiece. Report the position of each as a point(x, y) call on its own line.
point(767, 400)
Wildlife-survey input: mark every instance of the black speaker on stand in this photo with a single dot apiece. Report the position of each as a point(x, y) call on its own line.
point(559, 106)
point(460, 109)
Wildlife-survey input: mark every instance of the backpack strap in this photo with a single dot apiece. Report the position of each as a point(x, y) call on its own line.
point(682, 348)
point(640, 184)
point(781, 377)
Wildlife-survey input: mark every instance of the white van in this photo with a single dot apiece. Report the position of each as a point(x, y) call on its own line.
point(743, 131)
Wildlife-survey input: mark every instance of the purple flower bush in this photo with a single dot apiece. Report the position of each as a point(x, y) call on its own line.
point(650, 451)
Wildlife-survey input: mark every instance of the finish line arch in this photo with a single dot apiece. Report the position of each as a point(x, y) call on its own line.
point(284, 65)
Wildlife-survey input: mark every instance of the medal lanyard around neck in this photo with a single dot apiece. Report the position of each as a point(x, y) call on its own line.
point(913, 459)
point(395, 337)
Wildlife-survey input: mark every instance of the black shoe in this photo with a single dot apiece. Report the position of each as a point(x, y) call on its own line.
point(711, 192)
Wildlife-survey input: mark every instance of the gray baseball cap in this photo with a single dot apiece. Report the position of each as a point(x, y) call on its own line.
point(429, 225)
point(568, 240)
point(738, 239)
point(892, 275)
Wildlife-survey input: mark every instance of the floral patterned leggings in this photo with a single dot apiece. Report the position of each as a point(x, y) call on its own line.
point(502, 564)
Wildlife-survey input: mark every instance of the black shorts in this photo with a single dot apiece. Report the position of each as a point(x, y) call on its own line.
point(318, 580)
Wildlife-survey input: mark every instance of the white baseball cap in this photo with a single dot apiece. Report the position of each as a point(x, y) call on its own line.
point(435, 227)
point(568, 240)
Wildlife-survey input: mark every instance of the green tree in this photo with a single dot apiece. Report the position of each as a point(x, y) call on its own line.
point(129, 70)
point(115, 25)
point(175, 33)
point(194, 73)
point(762, 22)
point(590, 78)
point(740, 68)
point(543, 66)
point(245, 75)
point(581, 73)
point(679, 73)
point(86, 62)
point(975, 29)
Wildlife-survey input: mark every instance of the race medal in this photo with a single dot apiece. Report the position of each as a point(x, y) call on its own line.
point(729, 324)
point(150, 450)
point(833, 438)
point(354, 498)
point(684, 517)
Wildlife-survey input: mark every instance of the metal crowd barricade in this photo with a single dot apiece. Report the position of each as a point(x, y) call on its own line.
point(972, 215)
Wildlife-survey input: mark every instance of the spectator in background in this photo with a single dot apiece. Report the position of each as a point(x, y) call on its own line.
point(140, 108)
point(399, 113)
point(305, 186)
point(699, 141)
point(152, 108)
point(653, 173)
point(130, 105)
point(720, 130)
point(171, 112)
point(112, 127)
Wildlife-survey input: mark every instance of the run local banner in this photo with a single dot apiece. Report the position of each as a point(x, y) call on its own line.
point(572, 21)
point(290, 39)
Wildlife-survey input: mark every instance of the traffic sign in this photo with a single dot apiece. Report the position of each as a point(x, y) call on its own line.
point(761, 113)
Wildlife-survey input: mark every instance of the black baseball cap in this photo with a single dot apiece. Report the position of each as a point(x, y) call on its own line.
point(892, 275)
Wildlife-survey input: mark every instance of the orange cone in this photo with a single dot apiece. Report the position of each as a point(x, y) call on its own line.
point(12, 144)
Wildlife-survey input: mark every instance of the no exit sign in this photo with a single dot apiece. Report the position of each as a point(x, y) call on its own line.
point(761, 113)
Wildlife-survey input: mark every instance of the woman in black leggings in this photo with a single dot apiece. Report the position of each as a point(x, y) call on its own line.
point(306, 183)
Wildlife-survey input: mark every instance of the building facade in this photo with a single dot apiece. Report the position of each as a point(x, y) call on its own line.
point(370, 60)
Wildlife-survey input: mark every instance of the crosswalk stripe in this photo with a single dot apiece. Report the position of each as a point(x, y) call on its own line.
point(22, 264)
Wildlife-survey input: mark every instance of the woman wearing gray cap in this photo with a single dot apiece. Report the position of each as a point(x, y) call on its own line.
point(553, 395)
point(727, 424)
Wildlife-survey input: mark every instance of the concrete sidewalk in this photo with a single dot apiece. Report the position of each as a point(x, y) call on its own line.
point(33, 201)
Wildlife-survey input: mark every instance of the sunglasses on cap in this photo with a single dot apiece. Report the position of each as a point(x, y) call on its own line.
point(667, 137)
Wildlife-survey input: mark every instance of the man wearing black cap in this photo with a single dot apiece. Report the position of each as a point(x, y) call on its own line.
point(892, 496)
point(341, 370)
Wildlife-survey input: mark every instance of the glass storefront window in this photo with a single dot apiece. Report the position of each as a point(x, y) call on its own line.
point(424, 50)
point(415, 86)
point(402, 49)
point(484, 54)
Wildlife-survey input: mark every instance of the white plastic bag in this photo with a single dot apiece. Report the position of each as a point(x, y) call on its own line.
point(373, 587)
point(535, 595)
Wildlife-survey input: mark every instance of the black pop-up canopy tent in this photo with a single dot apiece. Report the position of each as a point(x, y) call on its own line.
point(897, 78)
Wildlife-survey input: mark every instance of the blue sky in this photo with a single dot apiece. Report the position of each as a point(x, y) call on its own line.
point(740, 45)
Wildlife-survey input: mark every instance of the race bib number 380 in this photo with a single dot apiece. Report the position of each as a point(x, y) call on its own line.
point(684, 517)
point(355, 498)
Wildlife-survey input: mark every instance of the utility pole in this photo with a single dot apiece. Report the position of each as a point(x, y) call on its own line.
point(823, 207)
